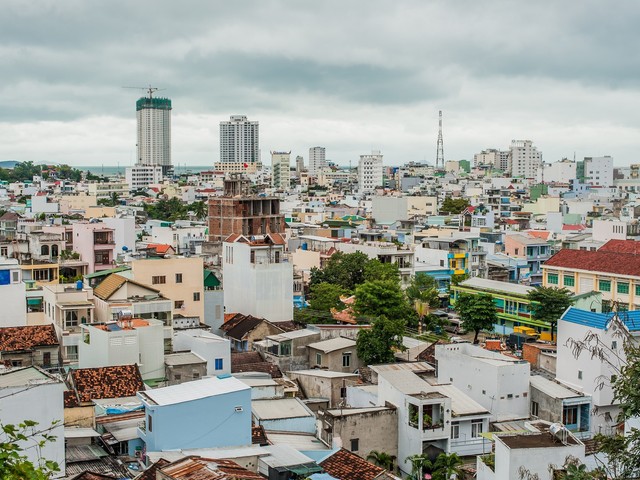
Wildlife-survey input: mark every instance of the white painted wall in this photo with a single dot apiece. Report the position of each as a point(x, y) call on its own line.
point(12, 295)
point(207, 345)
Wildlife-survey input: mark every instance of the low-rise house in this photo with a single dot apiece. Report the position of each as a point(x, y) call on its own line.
point(244, 330)
point(361, 430)
point(184, 367)
point(344, 465)
point(119, 432)
point(12, 294)
point(289, 349)
point(327, 384)
point(253, 362)
point(553, 402)
point(262, 385)
point(214, 349)
point(96, 245)
point(31, 394)
point(283, 415)
point(30, 345)
point(174, 415)
point(193, 467)
point(125, 342)
point(497, 382)
point(336, 354)
point(535, 250)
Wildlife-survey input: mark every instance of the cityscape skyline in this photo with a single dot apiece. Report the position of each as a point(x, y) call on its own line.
point(559, 79)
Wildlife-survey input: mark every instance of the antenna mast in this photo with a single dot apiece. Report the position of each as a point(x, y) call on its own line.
point(440, 147)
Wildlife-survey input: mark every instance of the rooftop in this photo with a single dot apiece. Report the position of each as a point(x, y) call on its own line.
point(333, 344)
point(194, 390)
point(496, 286)
point(602, 321)
point(106, 382)
point(274, 409)
point(606, 261)
point(20, 377)
point(183, 358)
point(14, 339)
point(535, 440)
point(551, 388)
point(344, 465)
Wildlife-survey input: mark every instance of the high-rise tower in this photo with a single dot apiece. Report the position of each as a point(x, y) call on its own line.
point(317, 159)
point(440, 147)
point(239, 141)
point(154, 131)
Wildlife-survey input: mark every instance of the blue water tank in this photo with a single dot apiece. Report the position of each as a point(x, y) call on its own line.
point(304, 246)
point(79, 285)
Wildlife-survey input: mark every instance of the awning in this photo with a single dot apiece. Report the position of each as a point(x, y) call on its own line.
point(34, 301)
point(75, 305)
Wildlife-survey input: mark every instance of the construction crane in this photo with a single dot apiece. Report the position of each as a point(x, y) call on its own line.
point(151, 90)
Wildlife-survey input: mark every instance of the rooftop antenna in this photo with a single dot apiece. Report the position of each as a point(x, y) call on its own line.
point(150, 90)
point(440, 147)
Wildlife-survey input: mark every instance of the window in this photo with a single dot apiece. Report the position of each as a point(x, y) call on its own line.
point(15, 277)
point(4, 251)
point(569, 280)
point(570, 415)
point(343, 392)
point(455, 430)
point(178, 278)
point(219, 363)
point(346, 359)
point(150, 423)
point(158, 280)
point(604, 285)
point(177, 376)
point(614, 345)
point(579, 374)
point(552, 278)
point(623, 287)
point(534, 409)
point(638, 289)
point(476, 428)
point(178, 304)
point(196, 296)
point(318, 359)
point(355, 444)
point(70, 318)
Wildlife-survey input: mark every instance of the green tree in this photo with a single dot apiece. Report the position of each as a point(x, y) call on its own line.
point(420, 464)
point(459, 278)
point(425, 289)
point(167, 210)
point(377, 344)
point(199, 209)
point(378, 298)
point(376, 270)
point(325, 296)
point(549, 303)
point(477, 312)
point(446, 466)
point(14, 464)
point(111, 201)
point(382, 459)
point(454, 206)
point(344, 269)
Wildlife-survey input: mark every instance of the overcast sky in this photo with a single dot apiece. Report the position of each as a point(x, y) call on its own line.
point(348, 75)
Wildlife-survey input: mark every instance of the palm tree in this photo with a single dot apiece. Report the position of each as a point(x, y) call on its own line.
point(199, 210)
point(419, 463)
point(447, 465)
point(382, 459)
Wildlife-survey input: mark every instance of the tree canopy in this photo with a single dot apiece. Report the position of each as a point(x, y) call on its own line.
point(325, 296)
point(344, 269)
point(477, 312)
point(377, 344)
point(377, 298)
point(549, 303)
point(454, 206)
point(173, 209)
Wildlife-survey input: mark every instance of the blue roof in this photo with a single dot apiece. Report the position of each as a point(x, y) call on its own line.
point(601, 320)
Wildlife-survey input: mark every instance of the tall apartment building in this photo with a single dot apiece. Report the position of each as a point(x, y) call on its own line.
point(239, 143)
point(299, 164)
point(281, 170)
point(598, 171)
point(317, 159)
point(497, 159)
point(370, 172)
point(241, 213)
point(525, 159)
point(154, 132)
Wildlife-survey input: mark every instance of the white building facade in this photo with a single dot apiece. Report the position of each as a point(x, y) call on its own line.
point(239, 141)
point(281, 170)
point(12, 294)
point(598, 171)
point(370, 172)
point(317, 159)
point(139, 177)
point(525, 159)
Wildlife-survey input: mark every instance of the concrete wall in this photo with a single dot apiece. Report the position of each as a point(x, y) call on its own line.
point(208, 346)
point(214, 309)
point(319, 386)
point(333, 360)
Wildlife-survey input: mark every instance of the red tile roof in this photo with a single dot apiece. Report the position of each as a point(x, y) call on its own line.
point(344, 465)
point(160, 247)
point(106, 382)
point(573, 228)
point(598, 261)
point(621, 246)
point(15, 339)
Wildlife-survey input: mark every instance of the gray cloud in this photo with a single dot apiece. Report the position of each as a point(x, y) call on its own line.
point(352, 75)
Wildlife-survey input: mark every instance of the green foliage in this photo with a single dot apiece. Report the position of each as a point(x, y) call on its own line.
point(459, 278)
point(549, 303)
point(477, 312)
point(444, 467)
point(344, 269)
point(13, 461)
point(454, 206)
point(325, 296)
point(377, 298)
point(376, 270)
point(111, 201)
point(377, 344)
point(174, 209)
point(423, 288)
point(382, 459)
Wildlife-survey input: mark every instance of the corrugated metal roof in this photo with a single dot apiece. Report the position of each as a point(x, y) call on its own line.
point(404, 366)
point(461, 403)
point(275, 409)
point(496, 286)
point(24, 377)
point(78, 432)
point(183, 358)
point(333, 344)
point(317, 372)
point(299, 441)
point(195, 390)
point(601, 320)
point(123, 430)
point(551, 388)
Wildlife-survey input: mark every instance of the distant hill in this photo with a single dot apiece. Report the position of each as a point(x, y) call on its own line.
point(8, 163)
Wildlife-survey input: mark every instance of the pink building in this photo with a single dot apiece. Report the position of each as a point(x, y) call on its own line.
point(96, 245)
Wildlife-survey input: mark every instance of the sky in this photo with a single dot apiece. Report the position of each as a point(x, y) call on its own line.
point(350, 75)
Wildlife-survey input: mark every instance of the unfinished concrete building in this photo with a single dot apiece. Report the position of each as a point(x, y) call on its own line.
point(239, 212)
